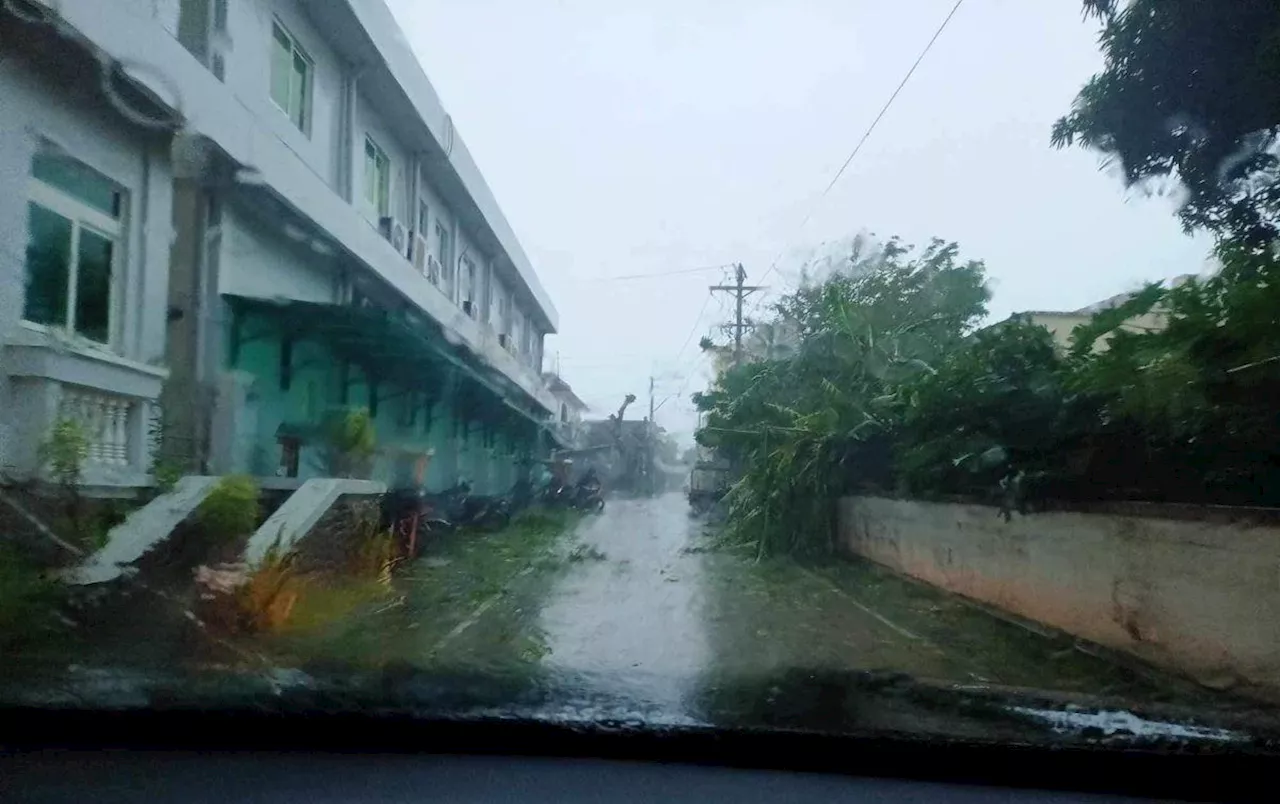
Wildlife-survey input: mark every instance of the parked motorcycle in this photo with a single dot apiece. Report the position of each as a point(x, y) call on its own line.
point(411, 517)
point(582, 497)
point(589, 499)
point(588, 494)
point(463, 509)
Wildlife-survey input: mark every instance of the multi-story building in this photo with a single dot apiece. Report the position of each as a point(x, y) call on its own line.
point(569, 410)
point(250, 214)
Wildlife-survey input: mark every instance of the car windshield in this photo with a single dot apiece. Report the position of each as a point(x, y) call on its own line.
point(832, 365)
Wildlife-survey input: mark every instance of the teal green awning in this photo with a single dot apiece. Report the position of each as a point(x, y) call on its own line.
point(389, 347)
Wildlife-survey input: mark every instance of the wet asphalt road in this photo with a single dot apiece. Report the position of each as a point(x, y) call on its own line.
point(630, 616)
point(645, 619)
point(649, 621)
point(634, 617)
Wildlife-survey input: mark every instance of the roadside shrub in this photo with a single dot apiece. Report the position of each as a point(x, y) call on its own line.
point(375, 552)
point(26, 596)
point(166, 474)
point(88, 524)
point(266, 601)
point(237, 599)
point(232, 509)
point(64, 452)
point(1166, 396)
point(351, 441)
point(543, 520)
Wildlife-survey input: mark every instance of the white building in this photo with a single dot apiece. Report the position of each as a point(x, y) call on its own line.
point(569, 410)
point(261, 207)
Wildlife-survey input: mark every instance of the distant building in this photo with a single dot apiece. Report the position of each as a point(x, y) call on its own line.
point(622, 452)
point(1062, 323)
point(569, 410)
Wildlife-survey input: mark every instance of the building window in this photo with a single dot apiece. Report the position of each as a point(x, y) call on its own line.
point(499, 314)
point(468, 280)
point(202, 29)
point(514, 335)
point(75, 234)
point(291, 72)
point(377, 177)
point(442, 254)
point(423, 219)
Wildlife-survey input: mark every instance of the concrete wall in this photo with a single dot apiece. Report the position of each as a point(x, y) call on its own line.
point(1201, 596)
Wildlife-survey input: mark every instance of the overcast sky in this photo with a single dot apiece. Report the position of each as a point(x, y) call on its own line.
point(638, 137)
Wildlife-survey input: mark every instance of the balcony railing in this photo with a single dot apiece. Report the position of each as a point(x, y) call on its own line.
point(105, 421)
point(110, 400)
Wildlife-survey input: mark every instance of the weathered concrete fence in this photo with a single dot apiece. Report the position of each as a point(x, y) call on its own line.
point(1199, 593)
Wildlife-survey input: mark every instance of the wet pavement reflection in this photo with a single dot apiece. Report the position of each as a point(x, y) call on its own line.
point(632, 616)
point(631, 613)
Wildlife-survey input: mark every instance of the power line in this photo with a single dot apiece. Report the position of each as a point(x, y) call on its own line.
point(688, 376)
point(866, 135)
point(740, 292)
point(693, 329)
point(857, 148)
point(657, 274)
point(680, 392)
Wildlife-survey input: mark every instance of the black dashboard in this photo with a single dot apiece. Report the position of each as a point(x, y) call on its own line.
point(320, 778)
point(157, 756)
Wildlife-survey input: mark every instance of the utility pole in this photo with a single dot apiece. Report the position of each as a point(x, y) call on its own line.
point(650, 397)
point(740, 292)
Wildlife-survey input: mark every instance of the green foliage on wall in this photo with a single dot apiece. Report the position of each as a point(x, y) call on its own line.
point(232, 509)
point(889, 389)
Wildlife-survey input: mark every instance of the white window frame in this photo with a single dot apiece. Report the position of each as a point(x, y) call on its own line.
point(82, 216)
point(381, 204)
point(424, 220)
point(515, 330)
point(446, 267)
point(467, 280)
point(501, 305)
point(295, 51)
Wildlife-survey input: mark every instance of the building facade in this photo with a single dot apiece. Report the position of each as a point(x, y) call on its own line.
point(1062, 323)
point(569, 411)
point(307, 236)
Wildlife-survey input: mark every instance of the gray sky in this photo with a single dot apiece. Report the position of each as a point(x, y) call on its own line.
point(624, 138)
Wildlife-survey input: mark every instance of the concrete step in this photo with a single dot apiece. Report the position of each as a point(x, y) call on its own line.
point(301, 512)
point(141, 531)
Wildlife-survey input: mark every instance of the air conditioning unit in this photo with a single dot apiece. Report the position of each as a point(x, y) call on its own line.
point(395, 232)
point(433, 269)
point(418, 252)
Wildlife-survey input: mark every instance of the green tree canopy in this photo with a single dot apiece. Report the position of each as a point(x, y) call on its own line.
point(808, 423)
point(1189, 92)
